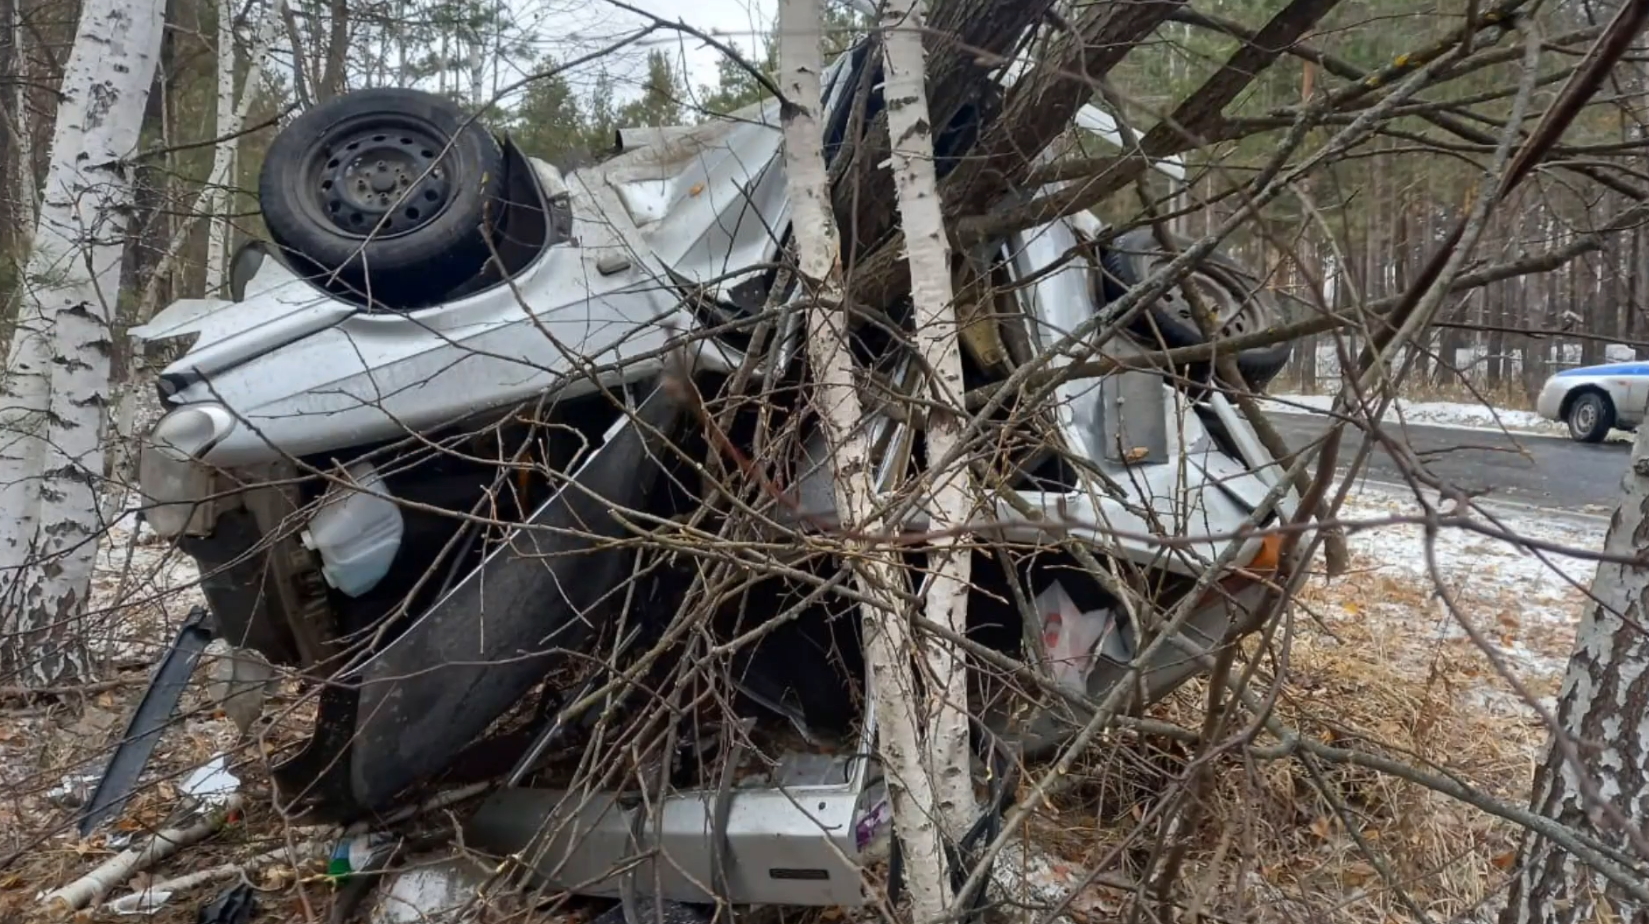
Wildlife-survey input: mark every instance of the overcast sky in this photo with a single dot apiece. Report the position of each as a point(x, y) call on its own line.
point(569, 29)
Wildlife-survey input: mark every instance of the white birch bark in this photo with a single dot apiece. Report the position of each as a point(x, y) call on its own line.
point(22, 139)
point(51, 452)
point(223, 156)
point(886, 637)
point(478, 71)
point(928, 250)
point(1603, 709)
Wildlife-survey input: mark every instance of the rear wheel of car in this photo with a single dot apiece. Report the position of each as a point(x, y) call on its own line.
point(1591, 417)
point(390, 189)
point(1240, 304)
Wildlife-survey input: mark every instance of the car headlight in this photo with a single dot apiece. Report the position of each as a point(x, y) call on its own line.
point(176, 486)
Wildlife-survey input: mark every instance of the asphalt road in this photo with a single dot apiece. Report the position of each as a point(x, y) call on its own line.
point(1550, 472)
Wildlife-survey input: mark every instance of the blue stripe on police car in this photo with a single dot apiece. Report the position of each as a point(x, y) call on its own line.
point(1606, 369)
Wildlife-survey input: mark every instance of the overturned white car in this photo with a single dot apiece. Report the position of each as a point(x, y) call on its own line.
point(415, 454)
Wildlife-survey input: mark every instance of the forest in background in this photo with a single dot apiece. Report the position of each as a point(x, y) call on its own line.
point(1359, 229)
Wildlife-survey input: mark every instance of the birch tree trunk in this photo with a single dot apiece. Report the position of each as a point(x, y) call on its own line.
point(26, 194)
point(1603, 753)
point(949, 562)
point(478, 72)
point(57, 373)
point(886, 637)
point(223, 156)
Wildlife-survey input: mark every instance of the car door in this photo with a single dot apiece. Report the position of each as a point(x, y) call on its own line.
point(1633, 379)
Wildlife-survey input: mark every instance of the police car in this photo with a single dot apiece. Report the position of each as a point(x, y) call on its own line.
point(1592, 400)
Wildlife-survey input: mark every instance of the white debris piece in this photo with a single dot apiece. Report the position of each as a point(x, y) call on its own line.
point(73, 790)
point(139, 903)
point(1070, 636)
point(1027, 881)
point(429, 891)
point(211, 783)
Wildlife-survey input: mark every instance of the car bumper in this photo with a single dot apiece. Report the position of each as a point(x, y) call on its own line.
point(1550, 403)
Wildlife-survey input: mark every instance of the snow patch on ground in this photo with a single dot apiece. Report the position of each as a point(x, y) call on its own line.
point(1523, 604)
point(142, 589)
point(1437, 414)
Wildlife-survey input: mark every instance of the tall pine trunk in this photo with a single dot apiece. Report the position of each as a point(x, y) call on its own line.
point(57, 370)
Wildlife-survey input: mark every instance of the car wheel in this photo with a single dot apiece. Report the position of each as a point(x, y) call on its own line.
point(1591, 417)
point(1241, 305)
point(390, 189)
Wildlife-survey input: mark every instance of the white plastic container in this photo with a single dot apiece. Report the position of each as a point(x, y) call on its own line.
point(357, 534)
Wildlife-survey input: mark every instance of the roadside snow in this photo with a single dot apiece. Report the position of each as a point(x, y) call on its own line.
point(1524, 604)
point(1437, 414)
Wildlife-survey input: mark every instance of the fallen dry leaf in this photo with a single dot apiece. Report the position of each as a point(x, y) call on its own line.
point(1357, 874)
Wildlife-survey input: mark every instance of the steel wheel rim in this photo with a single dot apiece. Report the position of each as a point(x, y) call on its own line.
point(1238, 308)
point(378, 177)
point(1585, 415)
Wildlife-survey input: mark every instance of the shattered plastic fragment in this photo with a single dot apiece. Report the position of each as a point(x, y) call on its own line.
point(212, 783)
point(236, 906)
point(873, 824)
point(72, 791)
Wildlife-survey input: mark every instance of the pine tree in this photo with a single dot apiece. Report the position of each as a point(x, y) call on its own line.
point(549, 122)
point(841, 26)
point(602, 120)
point(735, 86)
point(661, 95)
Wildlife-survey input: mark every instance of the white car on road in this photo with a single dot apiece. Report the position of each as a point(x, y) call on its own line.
point(1592, 400)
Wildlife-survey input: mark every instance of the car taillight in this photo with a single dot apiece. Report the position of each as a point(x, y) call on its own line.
point(1259, 568)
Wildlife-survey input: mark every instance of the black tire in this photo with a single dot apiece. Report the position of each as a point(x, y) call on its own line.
point(416, 165)
point(1591, 416)
point(1241, 303)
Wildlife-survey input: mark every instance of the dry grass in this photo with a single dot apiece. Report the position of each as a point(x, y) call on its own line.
point(1368, 667)
point(1273, 846)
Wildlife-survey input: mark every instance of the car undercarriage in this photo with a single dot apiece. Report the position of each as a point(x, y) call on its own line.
point(486, 496)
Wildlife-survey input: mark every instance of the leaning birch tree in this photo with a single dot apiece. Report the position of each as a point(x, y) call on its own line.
point(223, 157)
point(928, 250)
point(55, 390)
point(887, 639)
point(1595, 778)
